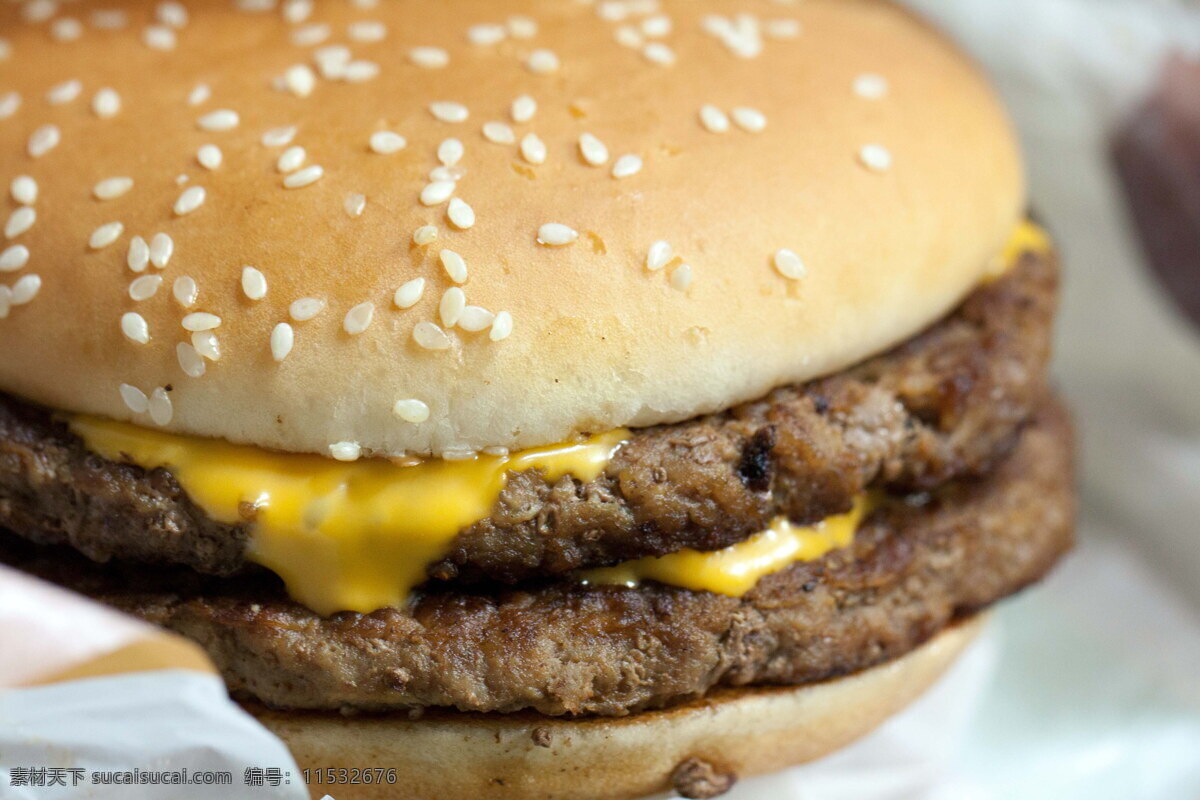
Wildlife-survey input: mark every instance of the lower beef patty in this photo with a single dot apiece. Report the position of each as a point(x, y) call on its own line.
point(946, 404)
point(917, 564)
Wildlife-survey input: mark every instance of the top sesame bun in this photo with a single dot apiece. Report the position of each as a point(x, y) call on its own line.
point(848, 133)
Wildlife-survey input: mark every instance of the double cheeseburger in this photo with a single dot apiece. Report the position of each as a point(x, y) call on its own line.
point(538, 398)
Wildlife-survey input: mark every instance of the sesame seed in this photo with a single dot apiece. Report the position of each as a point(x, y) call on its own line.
point(201, 321)
point(171, 13)
point(311, 35)
point(448, 111)
point(461, 215)
point(43, 140)
point(160, 407)
point(300, 80)
point(64, 92)
point(429, 57)
point(533, 149)
point(367, 31)
point(426, 234)
point(871, 86)
point(106, 103)
point(714, 119)
point(191, 362)
point(658, 256)
point(875, 157)
point(134, 398)
point(411, 410)
point(291, 159)
point(629, 36)
point(162, 247)
point(185, 291)
point(523, 108)
point(134, 326)
point(613, 10)
point(145, 287)
point(199, 95)
point(19, 221)
point(297, 11)
point(14, 258)
point(191, 199)
point(749, 119)
point(593, 150)
point(450, 152)
point(207, 345)
point(355, 204)
point(454, 300)
point(659, 53)
point(5, 301)
point(254, 283)
point(495, 450)
point(542, 62)
point(279, 137)
point(305, 177)
point(782, 28)
point(5, 50)
point(430, 336)
point(499, 133)
point(332, 61)
point(25, 289)
point(24, 190)
point(486, 34)
point(410, 293)
point(105, 235)
point(360, 71)
point(627, 166)
point(554, 234)
point(789, 265)
point(501, 327)
point(521, 27)
point(9, 103)
point(139, 254)
point(209, 156)
point(681, 278)
point(305, 308)
point(345, 451)
point(159, 37)
point(659, 25)
point(385, 142)
point(475, 319)
point(112, 188)
point(221, 120)
point(454, 265)
point(282, 339)
point(437, 192)
point(66, 29)
point(444, 173)
point(358, 319)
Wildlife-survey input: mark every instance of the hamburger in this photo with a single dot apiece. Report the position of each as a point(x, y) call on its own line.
point(527, 399)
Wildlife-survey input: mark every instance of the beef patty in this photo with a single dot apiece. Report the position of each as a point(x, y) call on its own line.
point(917, 563)
point(946, 404)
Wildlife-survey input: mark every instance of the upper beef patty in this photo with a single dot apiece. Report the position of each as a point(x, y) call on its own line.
point(946, 404)
point(916, 564)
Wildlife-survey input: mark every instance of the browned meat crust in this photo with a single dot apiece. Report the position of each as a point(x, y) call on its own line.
point(917, 564)
point(946, 404)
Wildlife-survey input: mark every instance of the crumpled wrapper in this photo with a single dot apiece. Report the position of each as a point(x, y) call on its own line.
point(1086, 687)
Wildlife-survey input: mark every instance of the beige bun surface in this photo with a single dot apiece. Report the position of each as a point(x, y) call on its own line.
point(739, 732)
point(598, 340)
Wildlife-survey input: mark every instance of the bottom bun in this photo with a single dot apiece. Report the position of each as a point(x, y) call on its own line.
point(698, 749)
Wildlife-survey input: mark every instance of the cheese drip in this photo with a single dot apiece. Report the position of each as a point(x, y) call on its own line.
point(354, 536)
point(736, 569)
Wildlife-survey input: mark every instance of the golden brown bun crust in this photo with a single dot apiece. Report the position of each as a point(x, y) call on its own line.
point(739, 732)
point(598, 340)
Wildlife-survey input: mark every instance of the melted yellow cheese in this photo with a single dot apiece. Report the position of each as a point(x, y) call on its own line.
point(1027, 237)
point(734, 570)
point(343, 536)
